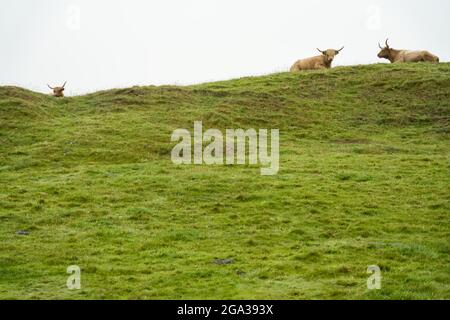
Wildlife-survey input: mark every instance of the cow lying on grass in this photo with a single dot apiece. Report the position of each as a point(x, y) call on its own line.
point(401, 56)
point(58, 91)
point(323, 61)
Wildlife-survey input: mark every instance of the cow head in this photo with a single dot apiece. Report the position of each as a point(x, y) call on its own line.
point(386, 51)
point(58, 91)
point(330, 54)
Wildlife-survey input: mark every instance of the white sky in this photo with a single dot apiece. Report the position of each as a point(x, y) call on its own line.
point(102, 44)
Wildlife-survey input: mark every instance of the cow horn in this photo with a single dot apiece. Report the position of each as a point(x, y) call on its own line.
point(340, 49)
point(320, 50)
point(387, 45)
point(380, 45)
point(49, 86)
point(64, 84)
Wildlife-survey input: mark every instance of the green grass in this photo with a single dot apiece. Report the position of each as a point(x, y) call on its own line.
point(364, 180)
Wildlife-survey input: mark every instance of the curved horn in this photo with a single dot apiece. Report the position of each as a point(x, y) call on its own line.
point(320, 50)
point(340, 49)
point(387, 45)
point(64, 84)
point(380, 46)
point(49, 86)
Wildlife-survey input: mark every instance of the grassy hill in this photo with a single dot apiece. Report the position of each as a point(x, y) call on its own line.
point(364, 180)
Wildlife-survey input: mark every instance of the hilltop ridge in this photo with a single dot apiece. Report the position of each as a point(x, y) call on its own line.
point(363, 180)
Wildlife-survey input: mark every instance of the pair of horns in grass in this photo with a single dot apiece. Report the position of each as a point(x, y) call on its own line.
point(57, 87)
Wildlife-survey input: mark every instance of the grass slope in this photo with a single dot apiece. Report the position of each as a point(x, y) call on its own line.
point(364, 180)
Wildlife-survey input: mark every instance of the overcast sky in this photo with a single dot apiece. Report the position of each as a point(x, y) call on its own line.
point(102, 44)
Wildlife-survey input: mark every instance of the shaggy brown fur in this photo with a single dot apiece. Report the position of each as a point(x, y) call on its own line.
point(401, 56)
point(323, 61)
point(58, 91)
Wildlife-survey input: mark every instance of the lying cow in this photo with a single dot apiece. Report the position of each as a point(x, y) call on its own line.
point(318, 62)
point(58, 91)
point(400, 56)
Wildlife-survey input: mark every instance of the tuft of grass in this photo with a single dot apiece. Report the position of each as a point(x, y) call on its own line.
point(364, 180)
